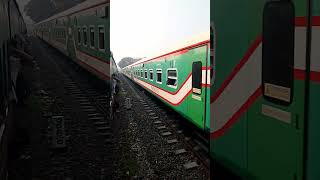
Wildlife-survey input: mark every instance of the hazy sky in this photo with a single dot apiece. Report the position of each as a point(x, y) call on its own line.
point(140, 28)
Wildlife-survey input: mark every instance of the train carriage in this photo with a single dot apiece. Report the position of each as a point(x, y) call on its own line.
point(180, 78)
point(265, 93)
point(12, 24)
point(82, 33)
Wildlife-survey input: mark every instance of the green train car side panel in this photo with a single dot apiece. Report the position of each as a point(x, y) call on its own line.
point(313, 155)
point(278, 144)
point(259, 133)
point(61, 31)
point(313, 158)
point(228, 40)
point(190, 108)
point(95, 22)
point(233, 155)
point(225, 24)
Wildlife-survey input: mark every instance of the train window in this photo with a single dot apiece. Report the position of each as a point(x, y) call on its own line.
point(101, 38)
point(196, 77)
point(1, 75)
point(172, 78)
point(85, 36)
point(159, 76)
point(75, 20)
point(79, 35)
point(107, 12)
point(212, 51)
point(141, 73)
point(146, 74)
point(151, 75)
point(278, 51)
point(92, 37)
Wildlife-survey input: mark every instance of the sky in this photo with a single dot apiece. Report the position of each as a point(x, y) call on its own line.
point(141, 28)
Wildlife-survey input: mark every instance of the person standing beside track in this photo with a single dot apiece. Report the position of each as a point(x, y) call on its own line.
point(114, 93)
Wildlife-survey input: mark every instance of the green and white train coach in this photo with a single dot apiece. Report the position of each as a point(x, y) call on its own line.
point(82, 33)
point(180, 78)
point(266, 92)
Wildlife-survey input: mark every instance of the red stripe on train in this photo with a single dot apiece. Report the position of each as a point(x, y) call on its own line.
point(104, 76)
point(234, 72)
point(176, 52)
point(303, 21)
point(173, 104)
point(315, 76)
point(237, 115)
point(95, 57)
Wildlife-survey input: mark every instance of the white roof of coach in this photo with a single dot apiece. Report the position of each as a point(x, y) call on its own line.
point(192, 41)
point(79, 7)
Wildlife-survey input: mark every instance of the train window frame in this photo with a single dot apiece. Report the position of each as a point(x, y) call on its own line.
point(197, 82)
point(159, 71)
point(151, 74)
point(90, 29)
point(278, 31)
point(107, 12)
point(99, 38)
point(145, 74)
point(85, 36)
point(171, 77)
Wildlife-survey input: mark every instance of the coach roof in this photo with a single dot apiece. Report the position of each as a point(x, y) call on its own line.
point(82, 6)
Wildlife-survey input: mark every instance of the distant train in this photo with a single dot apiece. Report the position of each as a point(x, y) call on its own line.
point(82, 33)
point(265, 94)
point(11, 25)
point(180, 78)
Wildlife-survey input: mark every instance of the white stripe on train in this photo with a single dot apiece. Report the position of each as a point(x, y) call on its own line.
point(178, 96)
point(248, 80)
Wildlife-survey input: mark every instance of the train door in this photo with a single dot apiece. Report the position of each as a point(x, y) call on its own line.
point(197, 102)
point(276, 120)
point(313, 124)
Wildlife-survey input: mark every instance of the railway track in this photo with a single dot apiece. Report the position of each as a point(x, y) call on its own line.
point(81, 101)
point(171, 125)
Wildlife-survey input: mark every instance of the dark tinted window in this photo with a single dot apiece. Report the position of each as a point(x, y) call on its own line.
point(101, 38)
point(172, 77)
point(278, 50)
point(107, 12)
point(85, 36)
point(159, 76)
point(145, 74)
point(151, 74)
point(92, 36)
point(196, 77)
